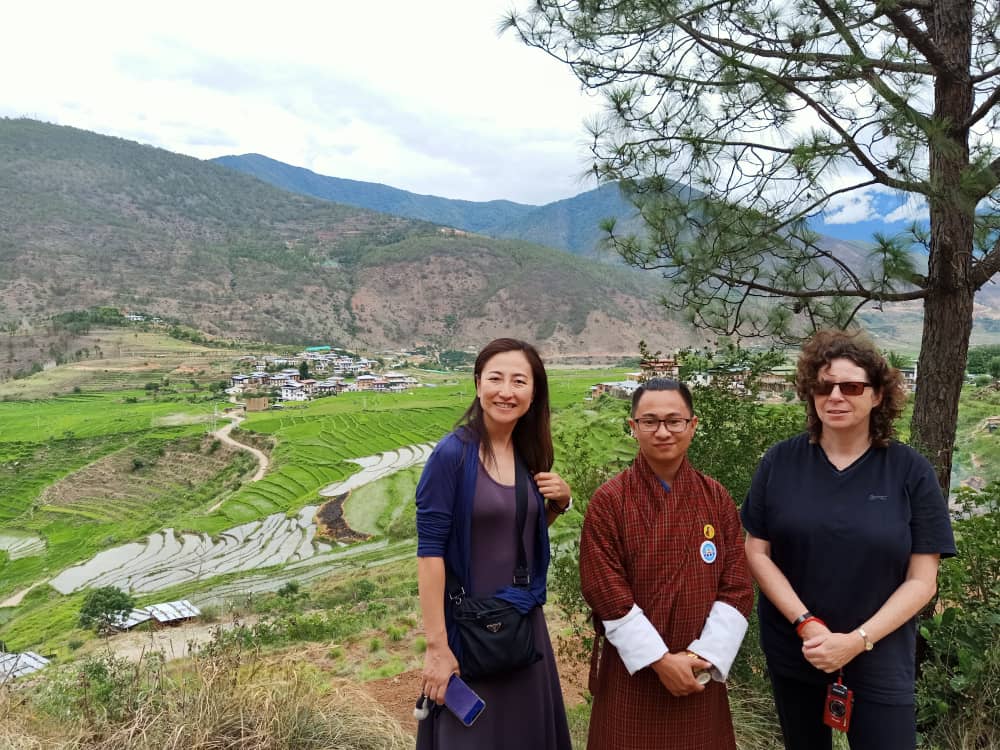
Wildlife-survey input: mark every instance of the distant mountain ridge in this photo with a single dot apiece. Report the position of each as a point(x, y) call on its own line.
point(95, 220)
point(571, 224)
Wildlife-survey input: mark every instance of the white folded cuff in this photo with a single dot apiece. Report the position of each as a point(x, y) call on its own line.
point(720, 639)
point(637, 641)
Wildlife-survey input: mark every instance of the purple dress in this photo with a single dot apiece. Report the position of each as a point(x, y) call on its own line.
point(524, 710)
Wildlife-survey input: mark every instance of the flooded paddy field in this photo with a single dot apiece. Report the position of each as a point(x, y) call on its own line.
point(167, 558)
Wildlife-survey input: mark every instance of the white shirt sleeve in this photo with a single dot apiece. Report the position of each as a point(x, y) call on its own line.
point(637, 641)
point(720, 639)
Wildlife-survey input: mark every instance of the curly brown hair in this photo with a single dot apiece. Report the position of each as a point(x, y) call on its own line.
point(856, 346)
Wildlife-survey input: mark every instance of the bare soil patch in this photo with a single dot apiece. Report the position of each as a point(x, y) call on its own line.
point(331, 524)
point(175, 642)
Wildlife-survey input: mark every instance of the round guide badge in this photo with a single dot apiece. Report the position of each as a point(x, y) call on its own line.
point(708, 552)
point(709, 531)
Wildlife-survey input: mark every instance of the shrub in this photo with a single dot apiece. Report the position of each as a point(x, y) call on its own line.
point(394, 633)
point(225, 697)
point(958, 692)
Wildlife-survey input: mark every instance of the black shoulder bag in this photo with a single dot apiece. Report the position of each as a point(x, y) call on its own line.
point(495, 637)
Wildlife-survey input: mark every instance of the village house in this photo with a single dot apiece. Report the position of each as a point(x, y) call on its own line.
point(665, 367)
point(365, 382)
point(293, 391)
point(618, 389)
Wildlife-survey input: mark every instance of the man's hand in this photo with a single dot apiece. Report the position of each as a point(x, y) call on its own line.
point(676, 672)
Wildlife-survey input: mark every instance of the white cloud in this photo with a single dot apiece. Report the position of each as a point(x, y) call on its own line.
point(913, 208)
point(422, 96)
point(850, 208)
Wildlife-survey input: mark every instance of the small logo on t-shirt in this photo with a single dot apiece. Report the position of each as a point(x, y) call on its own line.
point(708, 552)
point(876, 498)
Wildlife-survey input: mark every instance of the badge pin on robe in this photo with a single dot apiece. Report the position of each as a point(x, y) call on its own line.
point(709, 531)
point(708, 552)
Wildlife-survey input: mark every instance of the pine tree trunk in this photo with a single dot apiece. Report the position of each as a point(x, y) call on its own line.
point(945, 342)
point(948, 308)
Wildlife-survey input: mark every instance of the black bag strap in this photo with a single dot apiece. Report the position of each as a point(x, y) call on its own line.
point(522, 576)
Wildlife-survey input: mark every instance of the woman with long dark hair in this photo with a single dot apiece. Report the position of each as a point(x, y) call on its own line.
point(466, 530)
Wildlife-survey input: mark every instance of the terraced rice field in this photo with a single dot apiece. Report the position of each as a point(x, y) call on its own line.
point(166, 559)
point(316, 448)
point(19, 544)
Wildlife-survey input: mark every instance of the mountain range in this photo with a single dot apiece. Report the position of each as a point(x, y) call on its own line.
point(87, 219)
point(572, 224)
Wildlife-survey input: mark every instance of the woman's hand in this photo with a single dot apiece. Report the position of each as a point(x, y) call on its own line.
point(813, 629)
point(553, 487)
point(831, 651)
point(439, 665)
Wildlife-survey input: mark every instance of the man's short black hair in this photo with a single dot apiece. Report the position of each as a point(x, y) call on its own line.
point(663, 384)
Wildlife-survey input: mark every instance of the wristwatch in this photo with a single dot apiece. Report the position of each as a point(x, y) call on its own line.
point(554, 507)
point(868, 643)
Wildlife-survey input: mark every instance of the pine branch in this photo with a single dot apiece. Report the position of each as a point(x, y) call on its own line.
point(925, 43)
point(984, 109)
point(987, 267)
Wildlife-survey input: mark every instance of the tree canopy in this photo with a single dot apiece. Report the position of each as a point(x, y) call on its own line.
point(104, 606)
point(731, 124)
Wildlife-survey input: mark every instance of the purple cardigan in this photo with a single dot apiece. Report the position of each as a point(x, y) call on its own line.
point(444, 521)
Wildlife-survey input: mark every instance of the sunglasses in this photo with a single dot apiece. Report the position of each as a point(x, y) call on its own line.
point(847, 388)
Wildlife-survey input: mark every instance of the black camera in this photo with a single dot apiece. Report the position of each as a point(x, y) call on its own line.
point(839, 702)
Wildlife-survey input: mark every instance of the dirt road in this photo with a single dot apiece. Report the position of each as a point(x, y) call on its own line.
point(263, 462)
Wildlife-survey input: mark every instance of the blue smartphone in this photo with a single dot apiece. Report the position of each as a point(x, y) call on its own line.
point(462, 701)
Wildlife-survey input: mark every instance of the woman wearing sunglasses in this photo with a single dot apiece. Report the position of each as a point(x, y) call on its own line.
point(845, 529)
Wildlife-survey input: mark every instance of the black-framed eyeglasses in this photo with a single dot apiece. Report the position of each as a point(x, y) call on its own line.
point(673, 424)
point(847, 388)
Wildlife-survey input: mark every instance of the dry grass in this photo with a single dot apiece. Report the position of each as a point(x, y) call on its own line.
point(221, 699)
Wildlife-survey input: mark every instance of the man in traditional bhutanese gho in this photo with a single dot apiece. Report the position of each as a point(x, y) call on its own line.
point(663, 568)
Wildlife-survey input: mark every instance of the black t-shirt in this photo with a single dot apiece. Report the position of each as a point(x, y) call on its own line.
point(844, 539)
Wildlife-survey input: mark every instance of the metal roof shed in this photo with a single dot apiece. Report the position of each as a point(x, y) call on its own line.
point(133, 618)
point(13, 666)
point(173, 611)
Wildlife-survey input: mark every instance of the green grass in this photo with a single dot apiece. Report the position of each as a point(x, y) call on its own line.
point(977, 451)
point(89, 416)
point(381, 507)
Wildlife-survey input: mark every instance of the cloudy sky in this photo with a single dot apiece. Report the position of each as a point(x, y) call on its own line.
point(423, 96)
